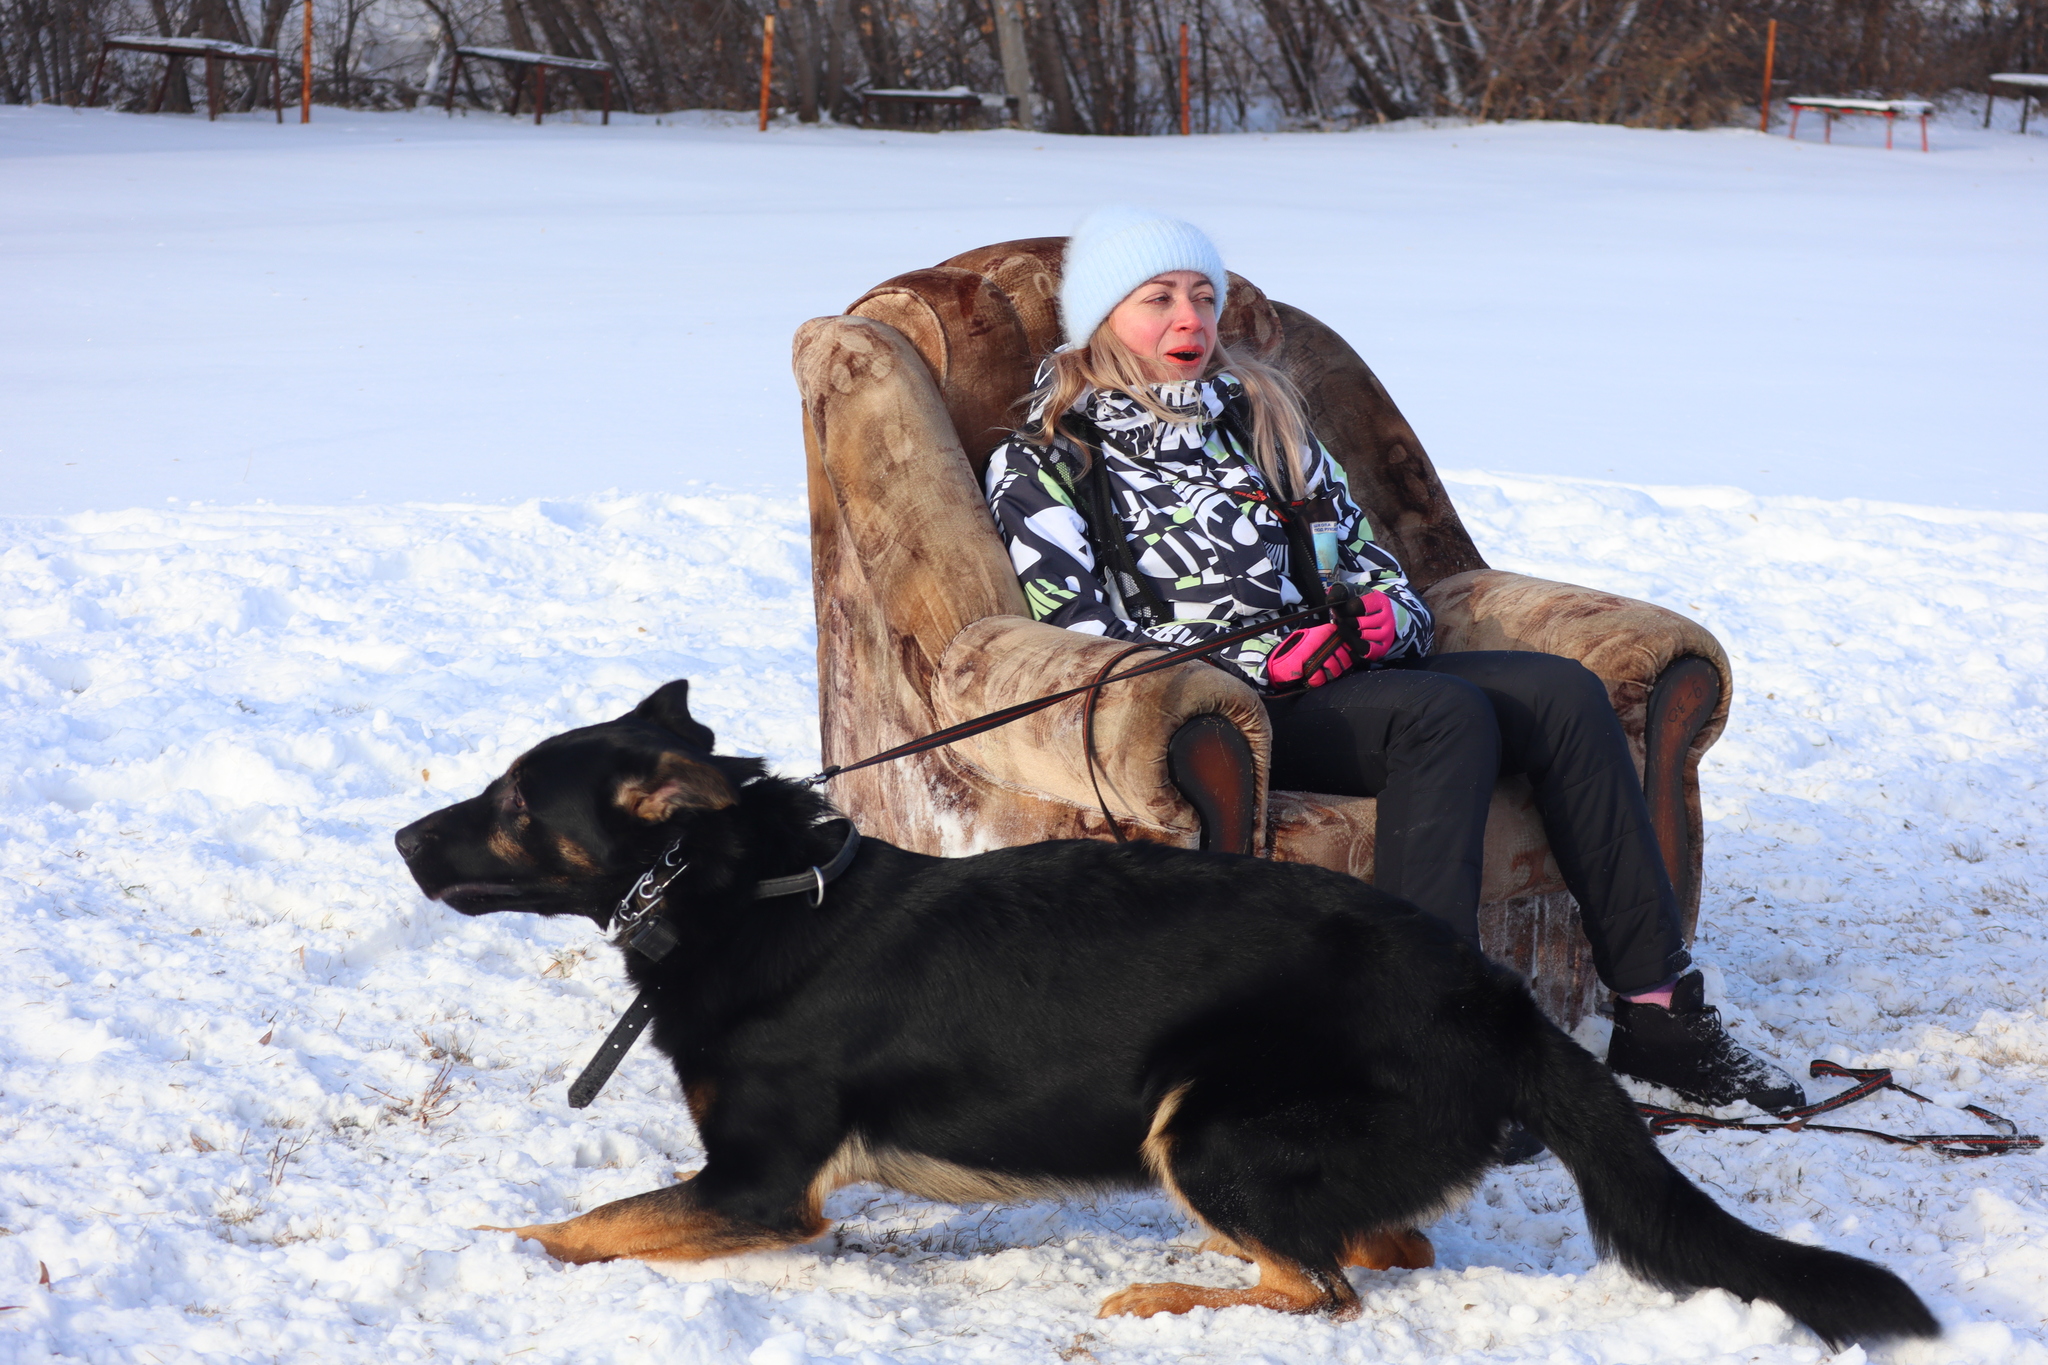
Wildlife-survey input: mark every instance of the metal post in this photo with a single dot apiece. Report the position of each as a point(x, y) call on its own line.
point(306, 68)
point(1770, 55)
point(540, 91)
point(277, 89)
point(454, 71)
point(767, 59)
point(212, 87)
point(607, 120)
point(1186, 127)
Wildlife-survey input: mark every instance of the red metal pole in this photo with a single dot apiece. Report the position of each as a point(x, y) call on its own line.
point(306, 68)
point(767, 60)
point(1770, 55)
point(1186, 128)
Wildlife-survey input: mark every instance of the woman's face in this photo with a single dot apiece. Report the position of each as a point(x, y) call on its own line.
point(1169, 323)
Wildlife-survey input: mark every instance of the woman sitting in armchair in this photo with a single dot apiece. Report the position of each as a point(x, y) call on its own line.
point(1160, 491)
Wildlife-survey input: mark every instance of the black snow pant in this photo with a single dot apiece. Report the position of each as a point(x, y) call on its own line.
point(1429, 737)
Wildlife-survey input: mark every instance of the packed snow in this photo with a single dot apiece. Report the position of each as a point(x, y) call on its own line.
point(413, 306)
point(257, 1093)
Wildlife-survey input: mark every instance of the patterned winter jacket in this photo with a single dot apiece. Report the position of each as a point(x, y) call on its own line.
point(1210, 552)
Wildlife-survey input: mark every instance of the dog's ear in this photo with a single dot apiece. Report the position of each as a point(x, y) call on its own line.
point(677, 783)
point(669, 707)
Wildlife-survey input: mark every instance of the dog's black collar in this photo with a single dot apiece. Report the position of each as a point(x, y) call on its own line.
point(814, 880)
point(643, 930)
point(638, 914)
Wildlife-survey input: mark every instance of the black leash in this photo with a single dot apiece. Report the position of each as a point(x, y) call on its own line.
point(1343, 599)
point(1869, 1081)
point(643, 930)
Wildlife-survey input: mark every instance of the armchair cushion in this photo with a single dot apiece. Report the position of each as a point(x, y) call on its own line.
point(1002, 660)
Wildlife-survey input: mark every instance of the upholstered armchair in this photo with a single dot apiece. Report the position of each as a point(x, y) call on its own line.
point(921, 622)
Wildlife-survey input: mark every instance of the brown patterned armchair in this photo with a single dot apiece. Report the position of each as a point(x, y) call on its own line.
point(921, 622)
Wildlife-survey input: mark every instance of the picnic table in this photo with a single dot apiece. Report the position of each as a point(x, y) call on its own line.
point(214, 50)
point(540, 62)
point(1889, 110)
point(918, 106)
point(2020, 85)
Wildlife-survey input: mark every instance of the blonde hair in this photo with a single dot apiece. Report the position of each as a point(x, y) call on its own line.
point(1279, 427)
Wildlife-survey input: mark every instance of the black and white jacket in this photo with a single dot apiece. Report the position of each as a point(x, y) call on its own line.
point(1199, 521)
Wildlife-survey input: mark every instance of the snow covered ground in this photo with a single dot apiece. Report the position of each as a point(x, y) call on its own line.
point(255, 1092)
point(404, 305)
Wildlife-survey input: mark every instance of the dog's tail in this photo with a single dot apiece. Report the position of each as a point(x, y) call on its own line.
point(1660, 1225)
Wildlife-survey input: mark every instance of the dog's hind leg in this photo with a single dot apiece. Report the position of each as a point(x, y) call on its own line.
point(1288, 1283)
point(662, 1225)
point(1284, 1285)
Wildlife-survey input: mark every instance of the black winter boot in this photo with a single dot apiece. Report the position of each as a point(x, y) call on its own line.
point(1685, 1048)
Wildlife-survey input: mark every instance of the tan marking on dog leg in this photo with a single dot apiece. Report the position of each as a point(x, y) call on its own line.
point(1396, 1249)
point(1284, 1286)
point(1223, 1246)
point(662, 1225)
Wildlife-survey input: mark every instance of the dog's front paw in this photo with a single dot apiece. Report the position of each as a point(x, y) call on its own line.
point(1143, 1300)
point(553, 1241)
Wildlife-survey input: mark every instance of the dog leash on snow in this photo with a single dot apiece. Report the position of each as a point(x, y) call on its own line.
point(642, 930)
point(1869, 1081)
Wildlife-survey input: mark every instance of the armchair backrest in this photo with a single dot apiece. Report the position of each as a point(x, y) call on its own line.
point(905, 395)
point(983, 319)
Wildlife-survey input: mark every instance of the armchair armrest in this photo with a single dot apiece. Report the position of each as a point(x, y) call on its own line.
point(1668, 678)
point(1002, 660)
point(1629, 644)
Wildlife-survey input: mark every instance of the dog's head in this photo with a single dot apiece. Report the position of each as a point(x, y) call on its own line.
point(574, 819)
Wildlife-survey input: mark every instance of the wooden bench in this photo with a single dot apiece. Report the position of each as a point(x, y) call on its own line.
point(214, 50)
point(540, 62)
point(2020, 85)
point(1889, 110)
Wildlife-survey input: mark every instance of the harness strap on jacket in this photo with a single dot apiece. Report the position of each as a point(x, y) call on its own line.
point(1095, 500)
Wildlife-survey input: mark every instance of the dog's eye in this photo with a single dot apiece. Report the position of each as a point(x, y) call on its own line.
point(512, 799)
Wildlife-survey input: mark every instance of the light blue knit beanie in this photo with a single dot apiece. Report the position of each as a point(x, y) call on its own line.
point(1116, 249)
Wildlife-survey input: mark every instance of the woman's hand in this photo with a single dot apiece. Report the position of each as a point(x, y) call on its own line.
point(1377, 629)
point(1292, 657)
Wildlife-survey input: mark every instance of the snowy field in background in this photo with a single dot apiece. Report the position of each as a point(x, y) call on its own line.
point(257, 1091)
point(409, 306)
point(254, 1091)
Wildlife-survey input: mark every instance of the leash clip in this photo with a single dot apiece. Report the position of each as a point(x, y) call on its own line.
point(639, 929)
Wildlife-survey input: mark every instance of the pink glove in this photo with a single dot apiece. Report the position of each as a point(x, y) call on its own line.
point(1290, 657)
point(1377, 629)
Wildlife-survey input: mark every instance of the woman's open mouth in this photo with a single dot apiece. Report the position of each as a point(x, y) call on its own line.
point(1185, 356)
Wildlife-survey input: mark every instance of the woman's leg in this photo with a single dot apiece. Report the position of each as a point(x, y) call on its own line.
point(1558, 727)
point(1426, 745)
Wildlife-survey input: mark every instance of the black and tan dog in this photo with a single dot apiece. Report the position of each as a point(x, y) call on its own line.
point(1310, 1066)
